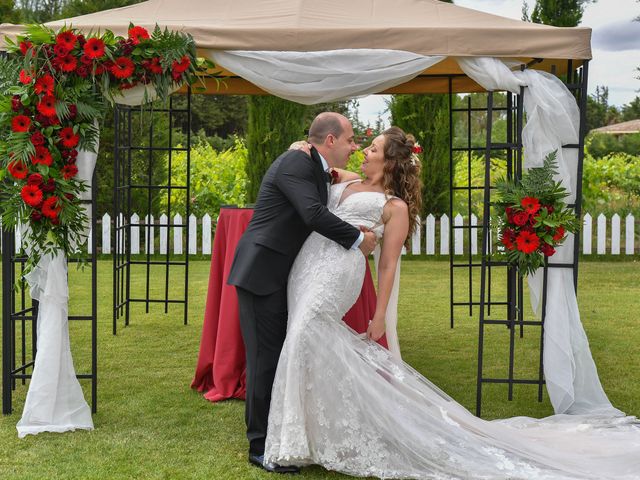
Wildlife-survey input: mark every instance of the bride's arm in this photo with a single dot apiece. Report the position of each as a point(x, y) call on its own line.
point(396, 228)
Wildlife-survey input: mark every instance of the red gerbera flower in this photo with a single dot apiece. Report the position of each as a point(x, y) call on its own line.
point(50, 208)
point(68, 39)
point(137, 34)
point(25, 78)
point(530, 204)
point(43, 156)
point(69, 171)
point(18, 170)
point(527, 242)
point(44, 84)
point(37, 138)
point(68, 138)
point(20, 123)
point(122, 68)
point(182, 65)
point(94, 48)
point(86, 60)
point(67, 63)
point(547, 250)
point(47, 106)
point(559, 234)
point(25, 45)
point(31, 195)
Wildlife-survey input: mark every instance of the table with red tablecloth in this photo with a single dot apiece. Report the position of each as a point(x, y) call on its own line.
point(220, 372)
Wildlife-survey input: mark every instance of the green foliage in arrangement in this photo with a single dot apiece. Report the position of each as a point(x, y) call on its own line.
point(217, 178)
point(274, 124)
point(427, 118)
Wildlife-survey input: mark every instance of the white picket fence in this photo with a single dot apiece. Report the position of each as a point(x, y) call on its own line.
point(607, 236)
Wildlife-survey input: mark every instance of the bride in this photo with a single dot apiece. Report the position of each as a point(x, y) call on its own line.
point(341, 401)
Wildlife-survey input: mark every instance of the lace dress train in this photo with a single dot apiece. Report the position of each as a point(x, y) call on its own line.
point(347, 404)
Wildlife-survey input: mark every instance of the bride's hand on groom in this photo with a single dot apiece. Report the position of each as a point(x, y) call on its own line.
point(376, 328)
point(369, 243)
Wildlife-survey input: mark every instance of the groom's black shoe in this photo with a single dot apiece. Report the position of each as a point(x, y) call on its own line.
point(258, 461)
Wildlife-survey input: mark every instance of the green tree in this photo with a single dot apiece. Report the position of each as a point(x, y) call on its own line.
point(8, 12)
point(560, 13)
point(631, 111)
point(274, 123)
point(427, 118)
point(599, 112)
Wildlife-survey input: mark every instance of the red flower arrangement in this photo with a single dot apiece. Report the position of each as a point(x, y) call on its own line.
point(49, 114)
point(532, 217)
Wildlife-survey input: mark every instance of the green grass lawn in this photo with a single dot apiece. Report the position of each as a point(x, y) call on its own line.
point(150, 424)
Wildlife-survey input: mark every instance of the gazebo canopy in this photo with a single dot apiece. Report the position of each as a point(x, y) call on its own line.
point(425, 27)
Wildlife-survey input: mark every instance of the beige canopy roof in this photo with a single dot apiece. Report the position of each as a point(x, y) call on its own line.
point(426, 27)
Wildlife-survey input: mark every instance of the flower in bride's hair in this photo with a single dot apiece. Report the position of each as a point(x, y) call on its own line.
point(417, 149)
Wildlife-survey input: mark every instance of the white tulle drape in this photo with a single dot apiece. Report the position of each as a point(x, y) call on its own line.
point(391, 317)
point(55, 402)
point(553, 120)
point(325, 76)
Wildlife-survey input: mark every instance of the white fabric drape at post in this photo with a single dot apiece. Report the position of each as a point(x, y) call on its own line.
point(55, 402)
point(553, 120)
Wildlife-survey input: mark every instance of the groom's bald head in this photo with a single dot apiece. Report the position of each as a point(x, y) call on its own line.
point(332, 136)
point(325, 124)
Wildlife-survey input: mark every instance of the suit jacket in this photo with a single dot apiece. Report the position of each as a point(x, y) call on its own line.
point(291, 204)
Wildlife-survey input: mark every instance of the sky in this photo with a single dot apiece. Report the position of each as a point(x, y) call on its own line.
point(615, 44)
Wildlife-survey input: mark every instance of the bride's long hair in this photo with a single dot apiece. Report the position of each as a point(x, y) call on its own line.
point(401, 174)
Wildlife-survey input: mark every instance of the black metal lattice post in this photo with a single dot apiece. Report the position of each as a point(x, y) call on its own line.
point(128, 149)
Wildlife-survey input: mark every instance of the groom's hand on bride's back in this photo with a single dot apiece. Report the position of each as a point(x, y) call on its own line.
point(368, 243)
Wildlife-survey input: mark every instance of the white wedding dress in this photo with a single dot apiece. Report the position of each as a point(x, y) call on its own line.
point(347, 404)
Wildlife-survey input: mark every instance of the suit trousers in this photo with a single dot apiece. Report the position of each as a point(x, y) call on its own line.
point(263, 322)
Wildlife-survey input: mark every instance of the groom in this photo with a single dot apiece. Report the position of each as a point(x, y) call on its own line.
point(291, 204)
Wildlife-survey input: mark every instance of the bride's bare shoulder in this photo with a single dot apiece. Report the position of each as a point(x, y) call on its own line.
point(346, 175)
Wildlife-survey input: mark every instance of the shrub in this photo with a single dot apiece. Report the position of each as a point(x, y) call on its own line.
point(217, 178)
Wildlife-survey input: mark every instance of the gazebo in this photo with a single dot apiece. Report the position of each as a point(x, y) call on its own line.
point(325, 50)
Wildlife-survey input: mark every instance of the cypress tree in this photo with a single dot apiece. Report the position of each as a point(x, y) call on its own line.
point(274, 123)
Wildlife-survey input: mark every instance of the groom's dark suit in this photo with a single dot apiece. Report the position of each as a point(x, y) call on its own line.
point(290, 205)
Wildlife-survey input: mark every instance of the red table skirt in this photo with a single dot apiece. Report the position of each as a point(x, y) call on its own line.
point(220, 372)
